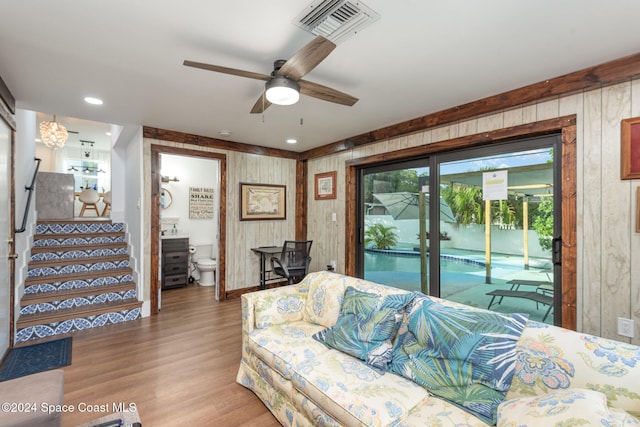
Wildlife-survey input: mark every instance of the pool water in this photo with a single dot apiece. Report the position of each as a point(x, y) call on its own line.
point(462, 279)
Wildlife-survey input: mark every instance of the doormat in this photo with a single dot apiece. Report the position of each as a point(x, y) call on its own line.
point(35, 358)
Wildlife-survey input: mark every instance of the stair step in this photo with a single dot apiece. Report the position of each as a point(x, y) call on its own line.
point(59, 278)
point(78, 227)
point(77, 260)
point(63, 315)
point(85, 248)
point(56, 240)
point(79, 278)
point(45, 297)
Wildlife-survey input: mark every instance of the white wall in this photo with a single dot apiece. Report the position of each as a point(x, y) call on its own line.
point(126, 193)
point(192, 172)
point(25, 148)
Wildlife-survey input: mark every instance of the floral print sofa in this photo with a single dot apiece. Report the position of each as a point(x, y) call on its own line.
point(422, 363)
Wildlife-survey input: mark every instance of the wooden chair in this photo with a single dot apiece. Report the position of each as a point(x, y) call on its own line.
point(89, 197)
point(107, 202)
point(293, 263)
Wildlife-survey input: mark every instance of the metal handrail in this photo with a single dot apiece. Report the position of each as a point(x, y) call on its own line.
point(30, 190)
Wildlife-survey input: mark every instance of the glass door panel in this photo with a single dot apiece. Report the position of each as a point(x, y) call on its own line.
point(496, 252)
point(391, 232)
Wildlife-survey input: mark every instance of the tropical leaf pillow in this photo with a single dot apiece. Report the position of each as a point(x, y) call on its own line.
point(366, 326)
point(464, 355)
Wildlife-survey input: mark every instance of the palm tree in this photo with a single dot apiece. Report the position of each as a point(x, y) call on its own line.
point(381, 237)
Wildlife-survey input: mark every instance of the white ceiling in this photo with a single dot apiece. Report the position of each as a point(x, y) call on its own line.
point(418, 58)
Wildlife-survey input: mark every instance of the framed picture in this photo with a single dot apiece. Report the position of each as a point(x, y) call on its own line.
point(638, 210)
point(630, 149)
point(262, 201)
point(325, 185)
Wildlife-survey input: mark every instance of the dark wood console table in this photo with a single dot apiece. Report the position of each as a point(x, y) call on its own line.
point(265, 274)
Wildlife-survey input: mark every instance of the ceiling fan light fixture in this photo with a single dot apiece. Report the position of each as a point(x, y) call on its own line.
point(282, 91)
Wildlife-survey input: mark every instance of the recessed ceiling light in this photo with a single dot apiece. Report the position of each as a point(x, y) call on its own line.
point(108, 133)
point(93, 101)
point(225, 133)
point(291, 141)
point(38, 140)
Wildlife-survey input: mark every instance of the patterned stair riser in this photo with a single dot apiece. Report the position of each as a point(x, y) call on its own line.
point(51, 256)
point(78, 302)
point(70, 241)
point(80, 228)
point(78, 324)
point(77, 268)
point(77, 284)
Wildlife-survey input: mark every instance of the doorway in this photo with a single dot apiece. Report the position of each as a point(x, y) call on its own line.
point(156, 207)
point(478, 226)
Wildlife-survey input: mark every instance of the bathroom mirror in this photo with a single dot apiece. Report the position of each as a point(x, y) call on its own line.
point(165, 198)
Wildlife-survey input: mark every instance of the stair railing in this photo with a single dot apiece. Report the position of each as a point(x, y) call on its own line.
point(30, 190)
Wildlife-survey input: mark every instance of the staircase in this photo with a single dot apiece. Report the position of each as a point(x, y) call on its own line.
point(78, 278)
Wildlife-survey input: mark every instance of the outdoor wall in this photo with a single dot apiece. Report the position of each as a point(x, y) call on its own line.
point(242, 265)
point(608, 264)
point(468, 237)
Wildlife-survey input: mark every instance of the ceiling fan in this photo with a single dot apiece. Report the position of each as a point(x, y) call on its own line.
point(285, 83)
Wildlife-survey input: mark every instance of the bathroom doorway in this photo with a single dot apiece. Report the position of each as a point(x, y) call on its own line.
point(178, 176)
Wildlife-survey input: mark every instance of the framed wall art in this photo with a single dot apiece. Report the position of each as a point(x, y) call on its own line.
point(630, 148)
point(325, 185)
point(201, 203)
point(262, 201)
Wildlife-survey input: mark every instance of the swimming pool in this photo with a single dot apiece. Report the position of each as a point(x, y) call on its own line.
point(462, 277)
point(402, 268)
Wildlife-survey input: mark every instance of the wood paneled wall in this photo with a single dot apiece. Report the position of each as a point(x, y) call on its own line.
point(608, 252)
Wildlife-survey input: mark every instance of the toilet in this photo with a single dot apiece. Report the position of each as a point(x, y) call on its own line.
point(207, 269)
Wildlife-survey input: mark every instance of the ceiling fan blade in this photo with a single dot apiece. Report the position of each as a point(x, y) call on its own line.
point(307, 58)
point(325, 93)
point(227, 70)
point(260, 105)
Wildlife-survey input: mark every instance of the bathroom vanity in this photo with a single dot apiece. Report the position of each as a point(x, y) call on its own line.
point(175, 262)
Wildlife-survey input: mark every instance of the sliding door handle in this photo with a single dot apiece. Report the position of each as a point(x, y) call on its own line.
point(556, 250)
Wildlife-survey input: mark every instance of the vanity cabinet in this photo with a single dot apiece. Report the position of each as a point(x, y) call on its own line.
point(175, 262)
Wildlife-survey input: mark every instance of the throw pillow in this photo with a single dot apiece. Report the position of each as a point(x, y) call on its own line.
point(575, 407)
point(324, 299)
point(366, 326)
point(462, 354)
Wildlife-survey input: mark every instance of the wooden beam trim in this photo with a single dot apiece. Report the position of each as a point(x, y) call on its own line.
point(500, 135)
point(204, 141)
point(301, 200)
point(7, 97)
point(612, 72)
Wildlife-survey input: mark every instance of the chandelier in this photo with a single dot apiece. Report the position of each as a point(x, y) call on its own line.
point(53, 134)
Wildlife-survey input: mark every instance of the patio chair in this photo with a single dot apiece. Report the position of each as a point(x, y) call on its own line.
point(293, 263)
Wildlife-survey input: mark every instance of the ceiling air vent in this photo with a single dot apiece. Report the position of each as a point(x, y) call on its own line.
point(336, 20)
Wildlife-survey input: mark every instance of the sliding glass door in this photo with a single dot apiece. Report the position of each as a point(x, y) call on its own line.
point(479, 229)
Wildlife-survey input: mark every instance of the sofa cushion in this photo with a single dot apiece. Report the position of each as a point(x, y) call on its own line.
point(434, 411)
point(353, 393)
point(366, 325)
point(284, 346)
point(285, 305)
point(461, 354)
point(565, 407)
point(551, 358)
point(324, 299)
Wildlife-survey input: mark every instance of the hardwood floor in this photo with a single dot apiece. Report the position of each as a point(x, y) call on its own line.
point(178, 367)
